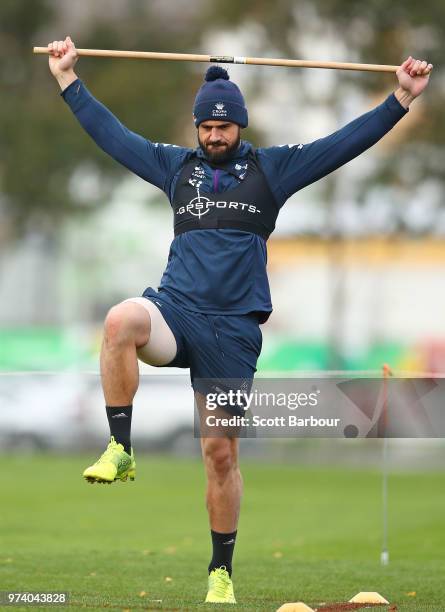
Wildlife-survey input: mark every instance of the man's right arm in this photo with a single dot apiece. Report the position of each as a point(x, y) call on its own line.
point(153, 162)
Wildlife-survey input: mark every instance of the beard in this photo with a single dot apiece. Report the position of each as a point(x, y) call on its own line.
point(219, 151)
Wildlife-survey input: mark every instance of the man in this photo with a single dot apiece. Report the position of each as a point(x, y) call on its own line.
point(214, 293)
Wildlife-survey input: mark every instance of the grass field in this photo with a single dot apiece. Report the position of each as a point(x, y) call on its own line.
point(305, 534)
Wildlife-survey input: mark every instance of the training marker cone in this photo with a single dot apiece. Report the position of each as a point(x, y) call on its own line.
point(371, 598)
point(299, 606)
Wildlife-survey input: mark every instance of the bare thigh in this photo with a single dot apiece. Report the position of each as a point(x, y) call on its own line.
point(161, 347)
point(210, 432)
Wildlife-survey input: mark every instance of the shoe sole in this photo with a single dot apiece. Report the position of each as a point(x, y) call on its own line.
point(220, 601)
point(131, 474)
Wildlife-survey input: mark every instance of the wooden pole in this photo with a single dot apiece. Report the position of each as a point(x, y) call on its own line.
point(226, 59)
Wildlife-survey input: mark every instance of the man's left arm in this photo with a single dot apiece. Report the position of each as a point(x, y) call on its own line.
point(297, 166)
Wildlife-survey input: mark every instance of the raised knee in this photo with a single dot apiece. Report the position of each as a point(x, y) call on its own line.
point(126, 323)
point(116, 323)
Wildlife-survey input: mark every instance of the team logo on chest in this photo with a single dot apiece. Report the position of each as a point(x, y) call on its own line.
point(201, 205)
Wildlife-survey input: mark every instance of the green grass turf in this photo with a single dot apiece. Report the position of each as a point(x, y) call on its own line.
point(305, 534)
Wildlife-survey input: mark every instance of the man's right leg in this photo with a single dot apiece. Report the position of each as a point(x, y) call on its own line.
point(127, 327)
point(134, 328)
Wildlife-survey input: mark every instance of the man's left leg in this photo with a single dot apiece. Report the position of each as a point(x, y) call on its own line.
point(223, 353)
point(223, 500)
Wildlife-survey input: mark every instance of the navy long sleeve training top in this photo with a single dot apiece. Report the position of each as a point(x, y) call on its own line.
point(223, 271)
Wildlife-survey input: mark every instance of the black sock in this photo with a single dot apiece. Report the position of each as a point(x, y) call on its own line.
point(119, 419)
point(223, 545)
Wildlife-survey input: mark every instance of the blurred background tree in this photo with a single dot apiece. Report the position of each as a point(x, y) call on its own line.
point(40, 141)
point(372, 32)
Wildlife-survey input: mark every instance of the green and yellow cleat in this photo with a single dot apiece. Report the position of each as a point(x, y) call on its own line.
point(114, 464)
point(220, 587)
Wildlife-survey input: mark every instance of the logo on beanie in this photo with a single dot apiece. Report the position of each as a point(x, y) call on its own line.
point(219, 110)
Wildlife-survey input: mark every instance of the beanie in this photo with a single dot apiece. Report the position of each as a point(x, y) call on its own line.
point(219, 99)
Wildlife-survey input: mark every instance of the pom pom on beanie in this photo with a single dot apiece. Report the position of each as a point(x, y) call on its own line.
point(219, 99)
point(216, 72)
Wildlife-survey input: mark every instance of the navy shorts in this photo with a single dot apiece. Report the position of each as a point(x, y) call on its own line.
point(217, 348)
